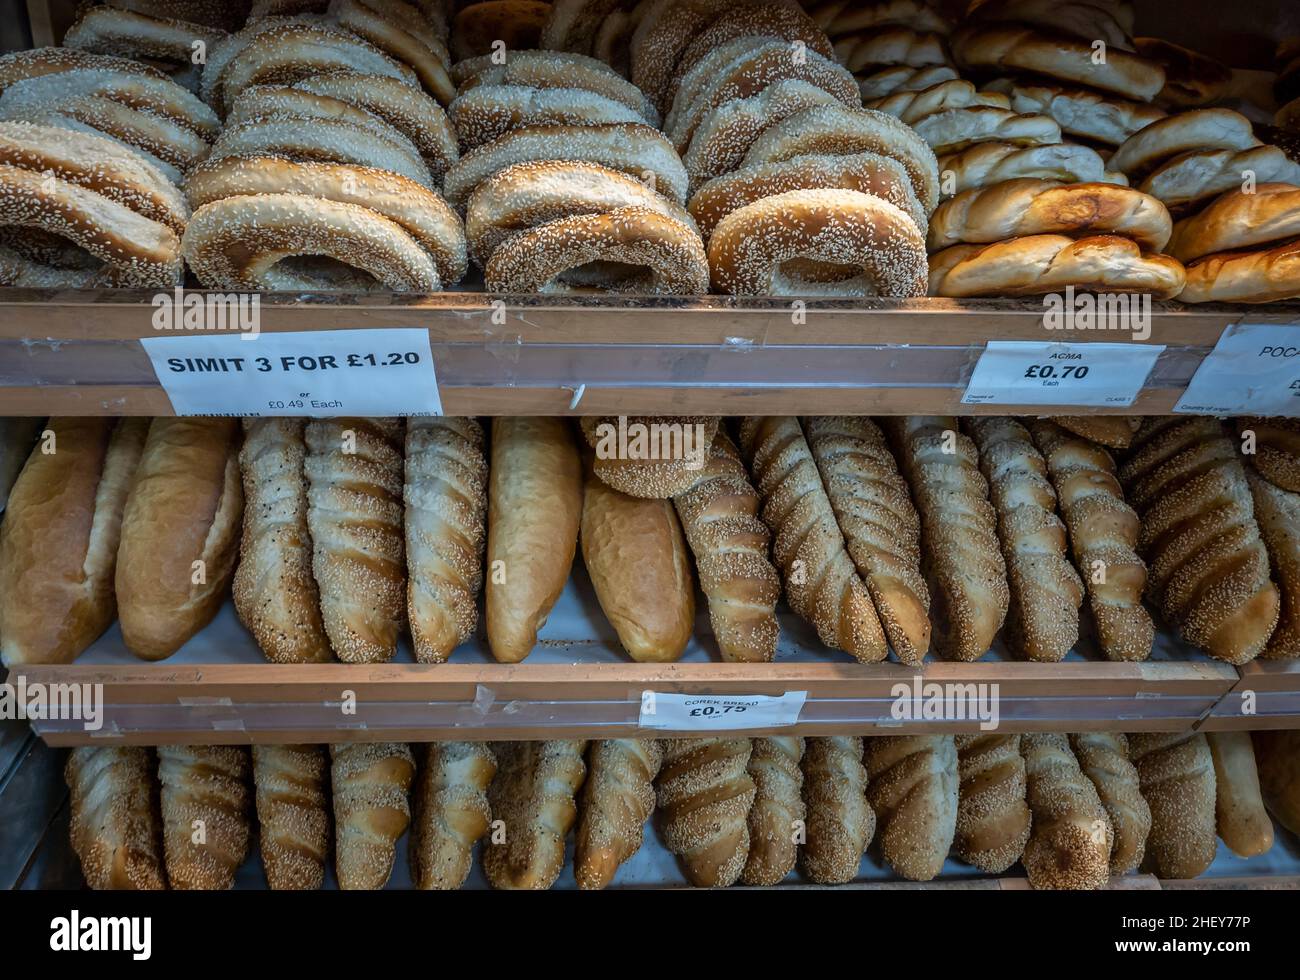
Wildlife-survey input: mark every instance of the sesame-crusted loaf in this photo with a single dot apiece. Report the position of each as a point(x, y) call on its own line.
point(1071, 836)
point(204, 786)
point(115, 825)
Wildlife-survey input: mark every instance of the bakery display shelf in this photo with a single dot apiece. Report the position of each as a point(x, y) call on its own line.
point(77, 352)
point(578, 683)
point(1266, 696)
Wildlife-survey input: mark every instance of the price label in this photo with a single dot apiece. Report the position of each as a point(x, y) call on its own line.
point(1017, 372)
point(313, 373)
point(719, 713)
point(1254, 369)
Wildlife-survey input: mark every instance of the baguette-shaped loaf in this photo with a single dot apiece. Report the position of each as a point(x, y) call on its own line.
point(115, 826)
point(1071, 838)
point(370, 781)
point(1103, 757)
point(640, 568)
point(914, 791)
point(275, 593)
point(205, 811)
point(446, 524)
point(180, 533)
point(60, 535)
point(1177, 777)
point(292, 814)
point(1103, 535)
point(451, 812)
point(354, 472)
point(719, 513)
point(777, 814)
point(617, 800)
point(960, 553)
point(534, 794)
point(821, 583)
point(1043, 618)
point(704, 792)
point(1209, 570)
point(1277, 512)
point(1277, 756)
point(1240, 817)
point(841, 822)
point(880, 525)
point(992, 813)
point(534, 508)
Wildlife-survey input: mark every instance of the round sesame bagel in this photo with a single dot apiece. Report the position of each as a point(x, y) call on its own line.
point(992, 163)
point(1030, 206)
point(398, 29)
point(221, 54)
point(955, 129)
point(18, 66)
point(482, 114)
point(404, 107)
point(533, 193)
point(869, 173)
point(665, 475)
point(726, 133)
point(516, 23)
point(1238, 220)
point(252, 241)
point(264, 103)
point(143, 252)
point(753, 72)
point(633, 250)
point(1196, 129)
point(1040, 51)
point(324, 140)
point(555, 69)
point(98, 165)
point(858, 244)
point(56, 119)
point(573, 25)
point(705, 73)
point(911, 107)
point(159, 137)
point(835, 130)
point(126, 34)
point(613, 41)
point(869, 50)
point(1190, 179)
point(629, 148)
point(1081, 112)
point(421, 213)
point(665, 31)
point(1041, 264)
point(902, 78)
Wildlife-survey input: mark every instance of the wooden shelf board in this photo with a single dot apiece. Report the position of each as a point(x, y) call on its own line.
point(1267, 696)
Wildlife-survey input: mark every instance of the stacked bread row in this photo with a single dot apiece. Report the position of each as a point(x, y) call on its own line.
point(565, 181)
point(1074, 810)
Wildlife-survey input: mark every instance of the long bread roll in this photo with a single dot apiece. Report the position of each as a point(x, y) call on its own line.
point(1277, 756)
point(115, 826)
point(960, 553)
point(446, 524)
point(881, 527)
point(1103, 757)
point(704, 792)
point(617, 800)
point(1071, 837)
point(1240, 817)
point(534, 795)
point(777, 814)
point(354, 472)
point(534, 508)
point(719, 513)
point(1177, 776)
point(1043, 617)
point(992, 813)
point(840, 821)
point(451, 812)
point(180, 533)
point(821, 583)
point(60, 535)
point(370, 781)
point(914, 791)
point(639, 566)
point(17, 436)
point(205, 804)
point(292, 814)
point(1277, 512)
point(1103, 535)
point(275, 594)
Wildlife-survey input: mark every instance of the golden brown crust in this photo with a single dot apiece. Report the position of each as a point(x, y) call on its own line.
point(1277, 755)
point(777, 814)
point(1261, 276)
point(1277, 512)
point(993, 817)
point(840, 821)
point(1071, 839)
point(1177, 775)
point(1103, 757)
point(534, 796)
point(451, 812)
point(292, 814)
point(205, 813)
point(370, 781)
point(914, 791)
point(115, 827)
point(704, 794)
point(1240, 817)
point(617, 800)
point(1196, 129)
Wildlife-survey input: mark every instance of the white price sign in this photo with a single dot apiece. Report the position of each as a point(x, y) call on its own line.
point(1027, 372)
point(1254, 369)
point(312, 373)
point(718, 712)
